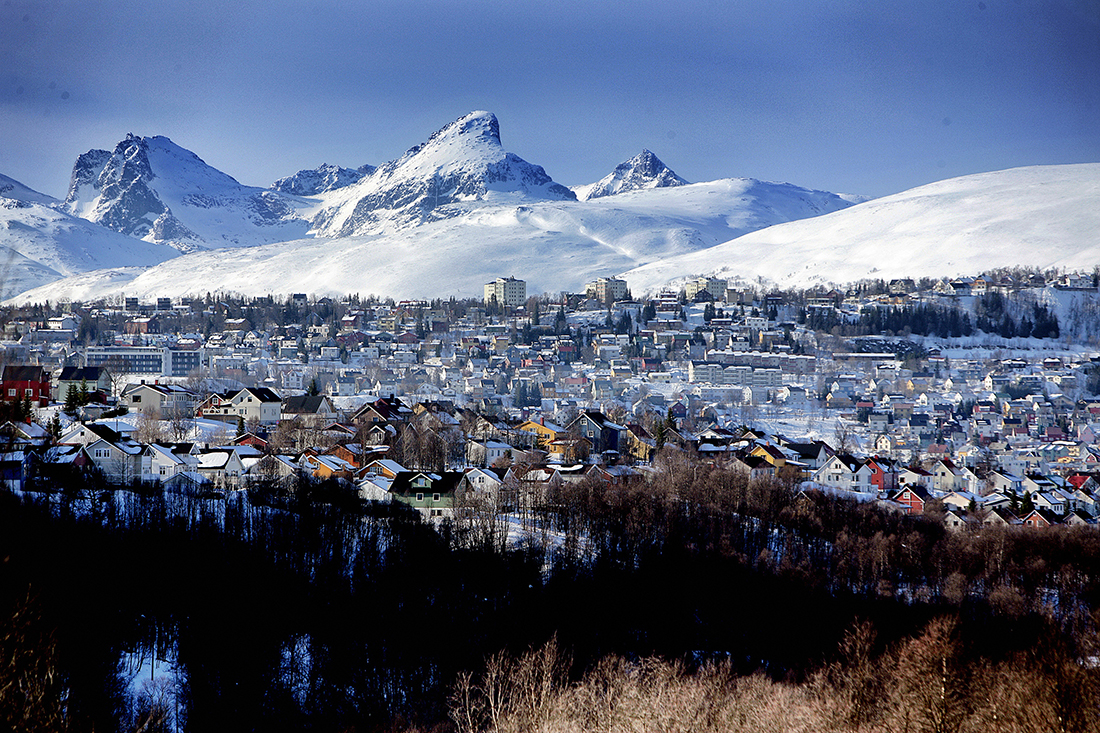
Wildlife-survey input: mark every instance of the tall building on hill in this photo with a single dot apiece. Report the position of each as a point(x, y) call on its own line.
point(606, 289)
point(508, 291)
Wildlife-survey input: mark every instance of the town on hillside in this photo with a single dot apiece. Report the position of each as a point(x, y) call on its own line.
point(963, 400)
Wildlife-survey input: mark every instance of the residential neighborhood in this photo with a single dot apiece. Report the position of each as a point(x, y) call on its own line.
point(427, 402)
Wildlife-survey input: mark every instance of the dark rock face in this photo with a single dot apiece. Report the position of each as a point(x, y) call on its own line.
point(86, 172)
point(127, 204)
point(151, 188)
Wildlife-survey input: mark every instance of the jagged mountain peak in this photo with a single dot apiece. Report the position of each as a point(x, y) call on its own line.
point(461, 163)
point(153, 189)
point(644, 170)
point(479, 124)
point(322, 179)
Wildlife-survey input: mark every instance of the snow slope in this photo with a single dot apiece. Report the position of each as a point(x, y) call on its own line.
point(153, 189)
point(39, 244)
point(1041, 216)
point(554, 245)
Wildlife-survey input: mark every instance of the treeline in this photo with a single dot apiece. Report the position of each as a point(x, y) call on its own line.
point(993, 316)
point(933, 681)
point(847, 548)
point(921, 320)
point(311, 610)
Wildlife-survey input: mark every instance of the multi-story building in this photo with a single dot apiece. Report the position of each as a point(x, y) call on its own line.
point(713, 285)
point(152, 360)
point(26, 382)
point(606, 289)
point(507, 291)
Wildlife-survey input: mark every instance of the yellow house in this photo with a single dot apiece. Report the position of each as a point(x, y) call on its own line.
point(638, 444)
point(546, 432)
point(784, 466)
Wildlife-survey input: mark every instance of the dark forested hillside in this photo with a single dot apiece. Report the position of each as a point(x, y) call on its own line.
point(314, 612)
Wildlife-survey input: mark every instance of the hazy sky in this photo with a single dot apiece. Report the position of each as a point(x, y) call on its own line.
point(855, 97)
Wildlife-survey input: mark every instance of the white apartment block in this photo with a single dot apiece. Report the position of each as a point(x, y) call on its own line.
point(508, 291)
point(606, 289)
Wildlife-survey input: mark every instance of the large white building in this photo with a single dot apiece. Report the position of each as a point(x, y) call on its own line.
point(713, 285)
point(507, 291)
point(152, 360)
point(606, 289)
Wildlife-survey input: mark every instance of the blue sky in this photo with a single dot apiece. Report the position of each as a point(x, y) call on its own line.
point(854, 97)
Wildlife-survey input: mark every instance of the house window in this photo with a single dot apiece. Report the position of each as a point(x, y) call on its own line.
point(164, 470)
point(12, 392)
point(420, 497)
point(135, 399)
point(435, 497)
point(28, 392)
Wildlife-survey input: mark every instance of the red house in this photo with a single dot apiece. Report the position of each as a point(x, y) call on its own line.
point(912, 498)
point(883, 474)
point(26, 381)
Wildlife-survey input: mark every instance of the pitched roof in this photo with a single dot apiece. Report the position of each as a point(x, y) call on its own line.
point(18, 373)
point(440, 483)
point(304, 404)
point(264, 394)
point(76, 374)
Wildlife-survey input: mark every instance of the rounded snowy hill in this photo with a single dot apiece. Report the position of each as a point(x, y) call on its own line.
point(1041, 216)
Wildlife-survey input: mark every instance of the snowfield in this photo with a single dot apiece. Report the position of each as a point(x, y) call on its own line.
point(1041, 216)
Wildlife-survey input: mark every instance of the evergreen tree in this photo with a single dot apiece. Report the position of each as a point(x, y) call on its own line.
point(660, 434)
point(55, 427)
point(240, 426)
point(72, 401)
point(561, 323)
point(624, 324)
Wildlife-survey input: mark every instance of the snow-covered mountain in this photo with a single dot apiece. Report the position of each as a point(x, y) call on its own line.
point(320, 180)
point(39, 244)
point(554, 245)
point(16, 191)
point(644, 170)
point(1041, 216)
point(153, 189)
point(462, 163)
point(444, 218)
